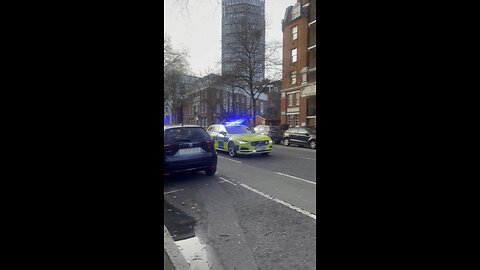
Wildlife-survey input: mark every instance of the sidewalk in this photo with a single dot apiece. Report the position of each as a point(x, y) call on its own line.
point(172, 258)
point(167, 263)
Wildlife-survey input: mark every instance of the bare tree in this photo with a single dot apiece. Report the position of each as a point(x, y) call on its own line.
point(173, 59)
point(175, 86)
point(176, 90)
point(249, 58)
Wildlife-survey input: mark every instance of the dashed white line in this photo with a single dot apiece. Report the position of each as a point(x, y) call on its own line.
point(225, 180)
point(168, 192)
point(298, 178)
point(231, 159)
point(298, 209)
point(307, 158)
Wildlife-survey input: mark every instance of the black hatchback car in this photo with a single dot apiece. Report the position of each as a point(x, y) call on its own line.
point(301, 136)
point(271, 131)
point(188, 148)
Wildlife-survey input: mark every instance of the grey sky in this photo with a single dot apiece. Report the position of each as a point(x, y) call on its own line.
point(198, 29)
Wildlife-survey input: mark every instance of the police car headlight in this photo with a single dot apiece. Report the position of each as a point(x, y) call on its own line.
point(242, 142)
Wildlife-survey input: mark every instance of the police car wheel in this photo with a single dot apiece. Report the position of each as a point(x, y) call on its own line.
point(231, 149)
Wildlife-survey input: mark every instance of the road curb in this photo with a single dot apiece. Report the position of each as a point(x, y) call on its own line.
point(174, 259)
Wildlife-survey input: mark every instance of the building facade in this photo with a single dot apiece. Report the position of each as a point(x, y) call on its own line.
point(271, 116)
point(212, 103)
point(235, 13)
point(298, 93)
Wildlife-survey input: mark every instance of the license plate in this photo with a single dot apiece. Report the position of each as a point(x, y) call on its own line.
point(190, 150)
point(260, 147)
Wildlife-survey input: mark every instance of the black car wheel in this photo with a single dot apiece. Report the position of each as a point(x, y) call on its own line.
point(211, 171)
point(231, 149)
point(313, 144)
point(286, 142)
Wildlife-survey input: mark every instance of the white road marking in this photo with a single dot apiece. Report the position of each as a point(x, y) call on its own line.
point(300, 210)
point(225, 180)
point(307, 158)
point(294, 177)
point(165, 193)
point(231, 159)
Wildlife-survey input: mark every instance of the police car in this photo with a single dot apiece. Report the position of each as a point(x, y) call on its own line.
point(239, 140)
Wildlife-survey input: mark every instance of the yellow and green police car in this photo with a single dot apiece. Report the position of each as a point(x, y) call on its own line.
point(239, 140)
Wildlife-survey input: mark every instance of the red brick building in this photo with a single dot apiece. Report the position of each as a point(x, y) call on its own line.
point(211, 104)
point(298, 94)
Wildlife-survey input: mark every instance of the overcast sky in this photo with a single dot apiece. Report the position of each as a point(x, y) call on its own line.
point(198, 29)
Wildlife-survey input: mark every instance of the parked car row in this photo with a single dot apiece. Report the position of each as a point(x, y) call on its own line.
point(192, 148)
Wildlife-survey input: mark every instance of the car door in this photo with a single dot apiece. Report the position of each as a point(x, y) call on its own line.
point(302, 136)
point(293, 135)
point(213, 131)
point(222, 138)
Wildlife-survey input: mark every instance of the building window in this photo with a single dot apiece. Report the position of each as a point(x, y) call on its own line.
point(296, 120)
point(294, 77)
point(294, 55)
point(294, 32)
point(290, 99)
point(261, 107)
point(290, 121)
point(296, 11)
point(297, 98)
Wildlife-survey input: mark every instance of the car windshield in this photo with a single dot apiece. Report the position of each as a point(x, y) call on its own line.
point(238, 129)
point(186, 134)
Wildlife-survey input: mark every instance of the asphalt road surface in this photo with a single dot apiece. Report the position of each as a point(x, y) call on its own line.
point(257, 212)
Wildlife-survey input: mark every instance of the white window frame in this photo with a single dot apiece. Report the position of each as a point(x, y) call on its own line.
point(294, 55)
point(294, 32)
point(290, 99)
point(296, 11)
point(293, 77)
point(297, 98)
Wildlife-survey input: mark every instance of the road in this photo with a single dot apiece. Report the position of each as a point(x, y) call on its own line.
point(257, 212)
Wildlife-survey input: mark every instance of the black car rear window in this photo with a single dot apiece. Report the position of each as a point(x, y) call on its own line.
point(184, 134)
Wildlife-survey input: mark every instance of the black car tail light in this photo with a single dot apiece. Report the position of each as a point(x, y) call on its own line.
point(208, 145)
point(169, 148)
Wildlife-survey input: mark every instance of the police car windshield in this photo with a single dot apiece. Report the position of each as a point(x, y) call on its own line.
point(238, 129)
